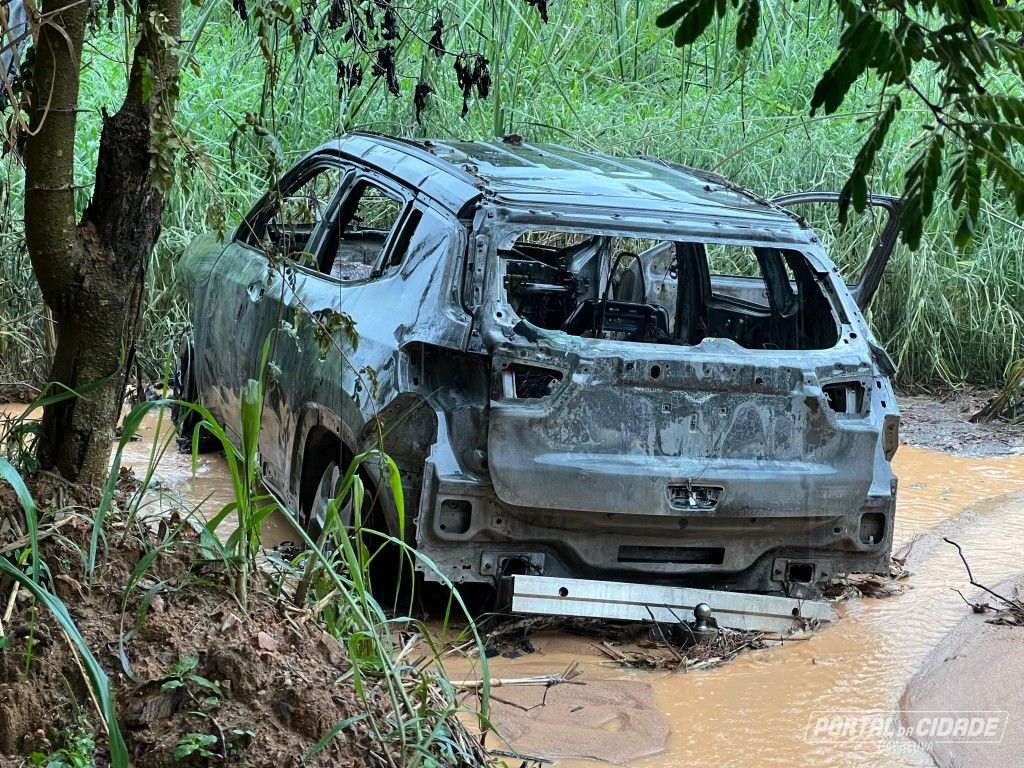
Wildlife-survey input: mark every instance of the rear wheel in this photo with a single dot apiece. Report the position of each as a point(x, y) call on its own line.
point(388, 572)
point(184, 389)
point(327, 489)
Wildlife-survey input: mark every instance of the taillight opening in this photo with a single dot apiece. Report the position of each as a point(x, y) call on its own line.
point(529, 382)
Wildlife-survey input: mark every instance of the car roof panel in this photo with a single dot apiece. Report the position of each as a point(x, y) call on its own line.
point(458, 173)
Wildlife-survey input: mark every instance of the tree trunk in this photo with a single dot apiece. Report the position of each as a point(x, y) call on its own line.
point(93, 275)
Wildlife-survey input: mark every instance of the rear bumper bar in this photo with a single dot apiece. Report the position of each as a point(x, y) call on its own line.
point(641, 602)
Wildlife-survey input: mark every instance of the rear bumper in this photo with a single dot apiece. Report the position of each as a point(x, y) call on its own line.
point(474, 537)
point(547, 595)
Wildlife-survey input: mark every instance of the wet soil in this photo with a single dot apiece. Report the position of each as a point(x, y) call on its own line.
point(266, 679)
point(943, 423)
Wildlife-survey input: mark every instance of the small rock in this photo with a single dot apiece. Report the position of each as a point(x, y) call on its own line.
point(266, 642)
point(158, 604)
point(230, 621)
point(332, 649)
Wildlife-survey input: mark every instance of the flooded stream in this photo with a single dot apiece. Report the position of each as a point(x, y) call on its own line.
point(756, 709)
point(174, 486)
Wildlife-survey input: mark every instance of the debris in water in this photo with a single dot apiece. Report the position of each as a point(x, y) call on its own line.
point(857, 585)
point(1010, 613)
point(652, 646)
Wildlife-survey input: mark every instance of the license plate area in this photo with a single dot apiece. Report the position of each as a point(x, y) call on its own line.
point(694, 497)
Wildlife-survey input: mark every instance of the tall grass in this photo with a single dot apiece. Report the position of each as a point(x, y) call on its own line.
point(420, 727)
point(597, 76)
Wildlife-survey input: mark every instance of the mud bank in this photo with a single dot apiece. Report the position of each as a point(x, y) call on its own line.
point(942, 423)
point(256, 687)
point(976, 668)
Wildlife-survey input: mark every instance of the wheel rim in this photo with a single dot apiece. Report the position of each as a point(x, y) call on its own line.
point(330, 484)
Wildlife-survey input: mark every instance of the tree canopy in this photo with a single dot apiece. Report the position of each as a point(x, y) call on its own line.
point(962, 59)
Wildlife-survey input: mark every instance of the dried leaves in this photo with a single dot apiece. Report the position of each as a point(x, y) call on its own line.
point(437, 35)
point(542, 8)
point(377, 38)
point(472, 71)
point(385, 67)
point(336, 16)
point(389, 27)
point(419, 98)
point(349, 75)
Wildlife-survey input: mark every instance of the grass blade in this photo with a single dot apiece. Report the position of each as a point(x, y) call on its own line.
point(98, 680)
point(10, 474)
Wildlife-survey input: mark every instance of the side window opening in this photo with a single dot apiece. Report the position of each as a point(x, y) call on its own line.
point(401, 245)
point(288, 225)
point(366, 223)
point(646, 290)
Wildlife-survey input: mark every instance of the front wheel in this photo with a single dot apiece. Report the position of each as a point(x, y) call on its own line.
point(184, 389)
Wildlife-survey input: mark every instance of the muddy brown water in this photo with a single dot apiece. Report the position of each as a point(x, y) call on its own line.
point(174, 486)
point(756, 709)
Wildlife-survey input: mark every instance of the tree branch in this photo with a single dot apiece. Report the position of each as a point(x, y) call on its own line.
point(973, 583)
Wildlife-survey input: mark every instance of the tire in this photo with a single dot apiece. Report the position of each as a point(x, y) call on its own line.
point(387, 563)
point(184, 388)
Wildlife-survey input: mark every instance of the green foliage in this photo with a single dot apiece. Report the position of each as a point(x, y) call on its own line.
point(195, 744)
point(595, 77)
point(856, 188)
point(78, 748)
point(251, 504)
point(962, 60)
point(182, 674)
point(28, 506)
point(327, 323)
point(922, 180)
point(1009, 403)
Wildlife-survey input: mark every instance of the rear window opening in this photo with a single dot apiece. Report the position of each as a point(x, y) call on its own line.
point(665, 292)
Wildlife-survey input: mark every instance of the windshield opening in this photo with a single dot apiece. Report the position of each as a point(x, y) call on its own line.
point(667, 292)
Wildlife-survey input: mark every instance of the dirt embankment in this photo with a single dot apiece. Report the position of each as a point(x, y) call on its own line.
point(197, 681)
point(976, 670)
point(943, 423)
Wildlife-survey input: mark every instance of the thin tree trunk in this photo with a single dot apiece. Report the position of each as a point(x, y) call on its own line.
point(93, 274)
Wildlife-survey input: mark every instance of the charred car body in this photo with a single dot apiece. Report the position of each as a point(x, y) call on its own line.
point(583, 365)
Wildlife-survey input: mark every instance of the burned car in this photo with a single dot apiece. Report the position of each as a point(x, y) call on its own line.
point(584, 366)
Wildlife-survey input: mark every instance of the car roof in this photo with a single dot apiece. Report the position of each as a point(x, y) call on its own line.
point(513, 172)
